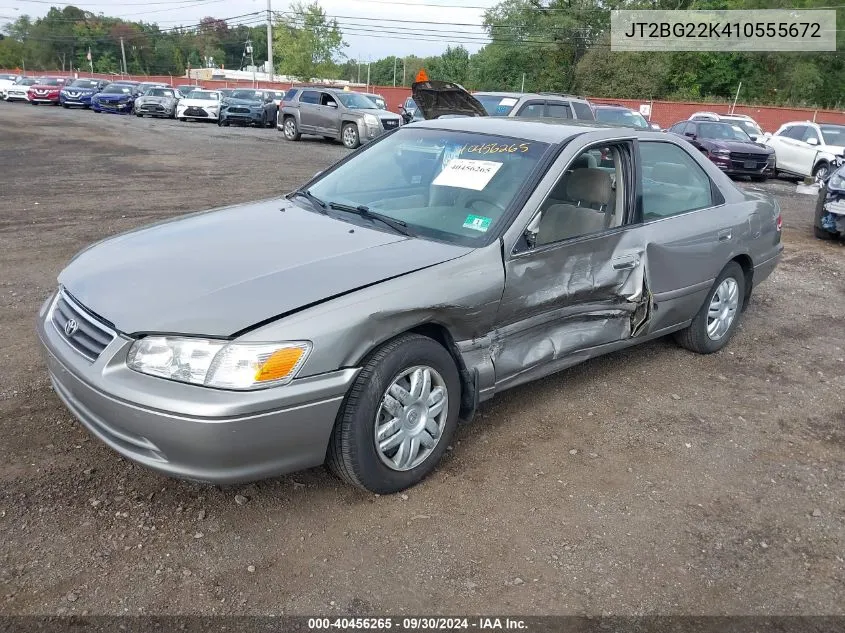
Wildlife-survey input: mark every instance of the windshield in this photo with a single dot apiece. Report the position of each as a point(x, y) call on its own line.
point(84, 83)
point(740, 134)
point(497, 105)
point(160, 92)
point(749, 127)
point(115, 89)
point(621, 117)
point(445, 185)
point(247, 95)
point(204, 96)
point(50, 81)
point(719, 131)
point(354, 101)
point(26, 81)
point(833, 134)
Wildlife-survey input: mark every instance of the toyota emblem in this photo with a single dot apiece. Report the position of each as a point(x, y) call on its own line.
point(71, 327)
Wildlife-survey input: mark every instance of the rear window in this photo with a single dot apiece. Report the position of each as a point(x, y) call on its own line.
point(290, 94)
point(558, 110)
point(583, 110)
point(497, 105)
point(309, 96)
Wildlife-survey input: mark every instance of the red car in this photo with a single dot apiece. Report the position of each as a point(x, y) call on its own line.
point(46, 90)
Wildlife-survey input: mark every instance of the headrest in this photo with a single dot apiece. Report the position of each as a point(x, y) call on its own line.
point(584, 161)
point(590, 186)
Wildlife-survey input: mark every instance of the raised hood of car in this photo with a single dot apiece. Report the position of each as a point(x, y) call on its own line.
point(438, 98)
point(223, 271)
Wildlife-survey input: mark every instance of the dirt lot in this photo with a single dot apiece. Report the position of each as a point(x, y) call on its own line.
point(705, 485)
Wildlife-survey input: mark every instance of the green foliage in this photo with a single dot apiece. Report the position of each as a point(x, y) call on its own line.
point(306, 43)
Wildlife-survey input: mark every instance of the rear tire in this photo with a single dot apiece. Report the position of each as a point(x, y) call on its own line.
point(423, 431)
point(291, 129)
point(698, 337)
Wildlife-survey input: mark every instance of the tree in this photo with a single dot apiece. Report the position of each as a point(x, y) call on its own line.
point(306, 43)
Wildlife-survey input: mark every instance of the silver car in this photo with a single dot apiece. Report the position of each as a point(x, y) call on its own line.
point(157, 102)
point(355, 321)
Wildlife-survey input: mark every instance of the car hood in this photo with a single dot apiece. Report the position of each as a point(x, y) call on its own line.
point(437, 98)
point(740, 146)
point(113, 97)
point(244, 102)
point(220, 272)
point(155, 99)
point(45, 87)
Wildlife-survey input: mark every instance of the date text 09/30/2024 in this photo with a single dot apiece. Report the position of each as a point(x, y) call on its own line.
point(418, 624)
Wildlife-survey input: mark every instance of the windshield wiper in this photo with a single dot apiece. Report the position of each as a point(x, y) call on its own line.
point(305, 193)
point(365, 212)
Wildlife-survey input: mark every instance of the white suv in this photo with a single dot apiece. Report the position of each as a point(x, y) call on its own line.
point(742, 121)
point(805, 148)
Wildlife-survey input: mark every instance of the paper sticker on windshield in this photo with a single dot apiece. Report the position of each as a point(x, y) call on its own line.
point(477, 223)
point(508, 102)
point(467, 174)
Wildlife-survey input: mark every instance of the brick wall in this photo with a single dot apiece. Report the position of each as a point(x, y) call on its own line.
point(663, 112)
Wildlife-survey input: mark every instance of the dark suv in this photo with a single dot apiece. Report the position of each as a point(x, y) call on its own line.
point(729, 147)
point(335, 114)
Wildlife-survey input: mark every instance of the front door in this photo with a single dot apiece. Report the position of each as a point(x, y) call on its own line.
point(577, 280)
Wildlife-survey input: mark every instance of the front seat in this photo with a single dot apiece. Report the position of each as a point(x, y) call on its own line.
point(589, 195)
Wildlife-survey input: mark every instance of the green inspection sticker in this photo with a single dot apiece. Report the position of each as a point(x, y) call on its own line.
point(477, 223)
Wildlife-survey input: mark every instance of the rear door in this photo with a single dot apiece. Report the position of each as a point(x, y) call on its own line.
point(308, 111)
point(328, 115)
point(531, 109)
point(690, 233)
point(558, 109)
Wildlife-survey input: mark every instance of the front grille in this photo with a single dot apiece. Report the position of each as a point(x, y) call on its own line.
point(193, 111)
point(152, 107)
point(239, 110)
point(72, 95)
point(390, 124)
point(90, 336)
point(748, 156)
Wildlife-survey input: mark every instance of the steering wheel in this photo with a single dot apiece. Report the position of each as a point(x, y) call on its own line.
point(469, 204)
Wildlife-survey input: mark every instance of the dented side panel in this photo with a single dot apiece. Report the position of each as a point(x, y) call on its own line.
point(570, 297)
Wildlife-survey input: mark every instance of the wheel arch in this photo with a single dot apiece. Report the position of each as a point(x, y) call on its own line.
point(441, 335)
point(745, 262)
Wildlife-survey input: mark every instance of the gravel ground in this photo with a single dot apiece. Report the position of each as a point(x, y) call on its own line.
point(648, 481)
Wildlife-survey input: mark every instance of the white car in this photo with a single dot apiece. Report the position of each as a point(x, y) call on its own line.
point(5, 82)
point(19, 90)
point(742, 121)
point(805, 148)
point(200, 104)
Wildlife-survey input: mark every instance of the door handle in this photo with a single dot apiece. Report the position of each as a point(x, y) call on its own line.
point(725, 235)
point(626, 262)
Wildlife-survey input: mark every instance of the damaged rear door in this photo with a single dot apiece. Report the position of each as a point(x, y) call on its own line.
point(574, 278)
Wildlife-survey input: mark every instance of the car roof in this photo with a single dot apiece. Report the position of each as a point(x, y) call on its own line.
point(612, 106)
point(541, 130)
point(531, 95)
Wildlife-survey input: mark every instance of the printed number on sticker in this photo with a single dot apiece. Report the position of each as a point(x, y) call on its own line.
point(467, 174)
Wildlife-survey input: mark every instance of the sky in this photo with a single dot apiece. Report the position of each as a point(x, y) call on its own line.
point(365, 23)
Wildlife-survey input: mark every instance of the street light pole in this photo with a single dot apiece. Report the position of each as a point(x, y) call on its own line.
point(394, 70)
point(270, 70)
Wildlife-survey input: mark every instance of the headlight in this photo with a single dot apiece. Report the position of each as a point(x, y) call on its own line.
point(220, 364)
point(370, 120)
point(721, 152)
point(837, 181)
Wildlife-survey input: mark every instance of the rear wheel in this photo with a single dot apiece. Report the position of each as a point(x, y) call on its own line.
point(398, 417)
point(291, 129)
point(715, 323)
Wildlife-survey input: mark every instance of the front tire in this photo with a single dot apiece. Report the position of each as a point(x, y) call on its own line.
point(821, 171)
point(349, 136)
point(716, 322)
point(398, 418)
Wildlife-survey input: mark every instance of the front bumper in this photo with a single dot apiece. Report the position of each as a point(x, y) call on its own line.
point(733, 167)
point(17, 96)
point(189, 431)
point(82, 100)
point(43, 99)
point(244, 118)
point(154, 109)
point(196, 113)
point(115, 108)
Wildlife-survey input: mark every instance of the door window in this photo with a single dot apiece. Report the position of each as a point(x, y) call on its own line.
point(327, 99)
point(672, 182)
point(796, 131)
point(558, 110)
point(532, 110)
point(583, 110)
point(309, 96)
point(588, 198)
point(810, 133)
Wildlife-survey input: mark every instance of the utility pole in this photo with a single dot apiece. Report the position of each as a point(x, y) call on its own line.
point(368, 76)
point(270, 70)
point(123, 53)
point(523, 83)
point(394, 70)
point(403, 71)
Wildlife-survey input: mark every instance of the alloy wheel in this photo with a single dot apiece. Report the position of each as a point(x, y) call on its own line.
point(723, 307)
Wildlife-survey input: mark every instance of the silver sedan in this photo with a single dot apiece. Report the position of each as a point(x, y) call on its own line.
point(355, 321)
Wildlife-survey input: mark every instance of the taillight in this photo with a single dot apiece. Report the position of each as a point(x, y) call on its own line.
point(779, 223)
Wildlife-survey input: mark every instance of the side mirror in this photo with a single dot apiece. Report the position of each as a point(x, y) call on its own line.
point(813, 141)
point(332, 104)
point(532, 231)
